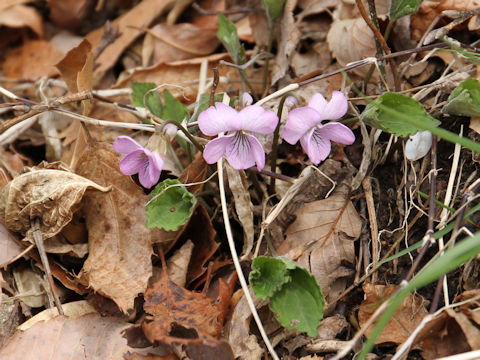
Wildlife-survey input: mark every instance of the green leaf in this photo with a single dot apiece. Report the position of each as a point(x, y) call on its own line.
point(299, 304)
point(152, 101)
point(274, 9)
point(465, 99)
point(269, 274)
point(174, 109)
point(171, 208)
point(388, 111)
point(227, 34)
point(400, 8)
point(294, 293)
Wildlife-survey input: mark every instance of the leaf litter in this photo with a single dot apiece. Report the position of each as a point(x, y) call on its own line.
point(173, 289)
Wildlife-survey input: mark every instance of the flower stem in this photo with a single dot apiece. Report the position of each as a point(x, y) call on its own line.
point(185, 131)
point(273, 157)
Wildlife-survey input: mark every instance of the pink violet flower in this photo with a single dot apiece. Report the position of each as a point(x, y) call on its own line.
point(305, 124)
point(241, 147)
point(138, 159)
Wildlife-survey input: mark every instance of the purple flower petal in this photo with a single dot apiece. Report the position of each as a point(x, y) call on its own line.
point(337, 132)
point(221, 118)
point(244, 151)
point(255, 119)
point(126, 145)
point(215, 149)
point(299, 122)
point(247, 99)
point(332, 110)
point(316, 146)
point(133, 162)
point(149, 175)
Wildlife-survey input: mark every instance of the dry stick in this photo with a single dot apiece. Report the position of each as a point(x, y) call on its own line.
point(236, 261)
point(382, 42)
point(372, 218)
point(37, 236)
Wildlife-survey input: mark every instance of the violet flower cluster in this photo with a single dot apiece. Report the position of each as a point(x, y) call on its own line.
point(237, 135)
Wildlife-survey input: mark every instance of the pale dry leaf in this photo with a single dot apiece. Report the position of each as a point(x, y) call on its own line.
point(406, 319)
point(140, 16)
point(120, 246)
point(7, 3)
point(287, 41)
point(9, 248)
point(30, 286)
point(47, 194)
point(19, 16)
point(177, 264)
point(33, 59)
point(475, 124)
point(237, 182)
point(322, 240)
point(351, 40)
point(58, 245)
point(87, 337)
point(178, 42)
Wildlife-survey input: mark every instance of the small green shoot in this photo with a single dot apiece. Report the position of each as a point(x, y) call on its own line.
point(465, 99)
point(273, 9)
point(295, 296)
point(171, 207)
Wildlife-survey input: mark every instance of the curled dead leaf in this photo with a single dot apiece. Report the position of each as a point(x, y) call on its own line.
point(47, 194)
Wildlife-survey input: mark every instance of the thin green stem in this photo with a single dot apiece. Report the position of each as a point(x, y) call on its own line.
point(267, 60)
point(388, 29)
point(185, 131)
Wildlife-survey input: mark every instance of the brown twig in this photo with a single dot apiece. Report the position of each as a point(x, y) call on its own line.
point(110, 34)
point(214, 86)
point(203, 11)
point(372, 218)
point(382, 42)
point(37, 236)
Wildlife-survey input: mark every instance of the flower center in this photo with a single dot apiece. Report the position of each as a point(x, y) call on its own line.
point(241, 143)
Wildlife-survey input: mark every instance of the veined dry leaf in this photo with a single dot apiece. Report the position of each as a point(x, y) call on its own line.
point(405, 320)
point(9, 249)
point(47, 194)
point(237, 182)
point(140, 16)
point(120, 246)
point(178, 42)
point(30, 286)
point(82, 334)
point(19, 16)
point(187, 318)
point(31, 60)
point(321, 239)
point(351, 40)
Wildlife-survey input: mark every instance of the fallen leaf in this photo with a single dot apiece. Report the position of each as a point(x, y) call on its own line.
point(195, 172)
point(58, 245)
point(9, 248)
point(351, 40)
point(80, 335)
point(47, 194)
point(140, 16)
point(31, 286)
point(178, 42)
point(321, 239)
point(19, 16)
point(237, 182)
point(177, 264)
point(119, 261)
point(33, 59)
point(68, 13)
point(401, 325)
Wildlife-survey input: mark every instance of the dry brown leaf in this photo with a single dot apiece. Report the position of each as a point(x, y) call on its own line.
point(321, 240)
point(406, 319)
point(31, 286)
point(7, 3)
point(31, 60)
point(47, 194)
point(58, 245)
point(119, 262)
point(351, 40)
point(287, 41)
point(430, 9)
point(186, 318)
point(237, 182)
point(186, 73)
point(9, 248)
point(84, 335)
point(195, 172)
point(68, 13)
point(177, 42)
point(140, 16)
point(177, 264)
point(77, 69)
point(19, 16)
